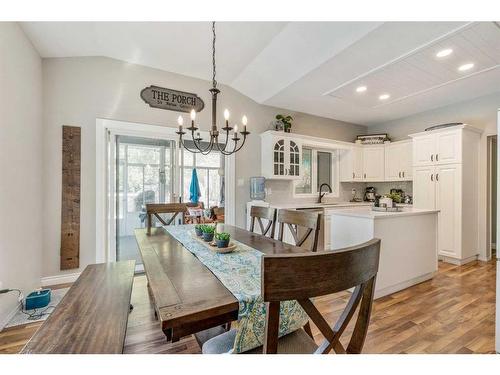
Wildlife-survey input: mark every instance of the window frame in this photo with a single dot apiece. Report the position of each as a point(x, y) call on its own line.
point(184, 166)
point(335, 185)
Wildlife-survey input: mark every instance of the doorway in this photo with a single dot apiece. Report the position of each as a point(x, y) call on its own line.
point(144, 174)
point(492, 166)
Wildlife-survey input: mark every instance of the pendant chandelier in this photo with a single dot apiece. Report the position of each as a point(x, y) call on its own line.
point(205, 147)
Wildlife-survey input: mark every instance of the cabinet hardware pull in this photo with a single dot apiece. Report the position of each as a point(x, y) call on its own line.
point(403, 174)
point(432, 157)
point(437, 157)
point(365, 175)
point(437, 176)
point(399, 174)
point(432, 177)
point(353, 175)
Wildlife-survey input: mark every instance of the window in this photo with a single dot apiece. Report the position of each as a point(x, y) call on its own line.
point(208, 170)
point(318, 167)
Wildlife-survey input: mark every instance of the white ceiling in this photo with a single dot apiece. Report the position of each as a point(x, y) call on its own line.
point(312, 67)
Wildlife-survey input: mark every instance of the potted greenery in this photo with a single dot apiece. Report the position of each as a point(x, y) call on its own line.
point(287, 122)
point(208, 232)
point(198, 228)
point(222, 239)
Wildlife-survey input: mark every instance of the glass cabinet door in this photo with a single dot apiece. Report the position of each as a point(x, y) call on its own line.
point(294, 159)
point(279, 158)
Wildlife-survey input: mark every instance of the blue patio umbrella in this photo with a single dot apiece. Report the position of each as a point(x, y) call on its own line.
point(194, 188)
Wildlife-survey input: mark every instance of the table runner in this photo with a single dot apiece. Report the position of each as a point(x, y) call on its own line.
point(240, 273)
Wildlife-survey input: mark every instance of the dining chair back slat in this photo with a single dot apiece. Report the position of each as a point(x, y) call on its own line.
point(304, 276)
point(310, 221)
point(257, 214)
point(155, 209)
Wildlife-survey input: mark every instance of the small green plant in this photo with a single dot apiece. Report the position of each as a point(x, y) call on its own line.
point(208, 229)
point(222, 236)
point(199, 226)
point(286, 120)
point(395, 197)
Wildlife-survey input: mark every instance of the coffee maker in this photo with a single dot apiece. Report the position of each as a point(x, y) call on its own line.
point(370, 193)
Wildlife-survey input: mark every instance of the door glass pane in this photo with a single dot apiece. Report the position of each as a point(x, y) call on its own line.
point(143, 171)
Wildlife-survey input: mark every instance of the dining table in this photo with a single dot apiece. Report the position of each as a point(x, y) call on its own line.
point(187, 296)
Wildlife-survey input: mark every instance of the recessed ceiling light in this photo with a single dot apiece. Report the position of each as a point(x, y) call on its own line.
point(384, 96)
point(465, 67)
point(444, 52)
point(361, 89)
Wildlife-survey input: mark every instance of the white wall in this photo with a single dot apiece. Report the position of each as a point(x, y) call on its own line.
point(480, 113)
point(20, 166)
point(76, 91)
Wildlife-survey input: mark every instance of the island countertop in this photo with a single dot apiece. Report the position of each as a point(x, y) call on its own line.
point(366, 212)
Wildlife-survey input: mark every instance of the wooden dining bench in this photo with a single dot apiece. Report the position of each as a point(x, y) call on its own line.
point(92, 317)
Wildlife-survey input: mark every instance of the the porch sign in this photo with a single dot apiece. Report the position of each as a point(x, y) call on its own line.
point(173, 100)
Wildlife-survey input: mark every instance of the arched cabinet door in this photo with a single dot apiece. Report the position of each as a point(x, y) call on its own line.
point(279, 158)
point(294, 159)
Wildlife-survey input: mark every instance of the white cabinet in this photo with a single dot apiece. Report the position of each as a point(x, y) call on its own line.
point(424, 190)
point(398, 161)
point(351, 164)
point(448, 181)
point(373, 163)
point(281, 157)
point(448, 201)
point(436, 148)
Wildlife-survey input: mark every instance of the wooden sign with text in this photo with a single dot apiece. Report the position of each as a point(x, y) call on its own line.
point(173, 100)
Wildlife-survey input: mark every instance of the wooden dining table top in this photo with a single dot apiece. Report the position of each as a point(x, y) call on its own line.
point(187, 296)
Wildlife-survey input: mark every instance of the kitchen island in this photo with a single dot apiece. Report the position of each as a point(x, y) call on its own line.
point(408, 252)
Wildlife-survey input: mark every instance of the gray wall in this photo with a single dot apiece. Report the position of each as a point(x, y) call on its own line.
point(20, 166)
point(480, 113)
point(76, 91)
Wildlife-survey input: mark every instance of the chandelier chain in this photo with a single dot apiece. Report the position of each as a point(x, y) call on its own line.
point(214, 81)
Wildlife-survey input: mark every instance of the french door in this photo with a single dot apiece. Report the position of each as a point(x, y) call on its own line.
point(145, 171)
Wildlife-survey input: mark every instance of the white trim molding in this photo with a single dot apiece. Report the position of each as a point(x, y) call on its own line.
point(59, 279)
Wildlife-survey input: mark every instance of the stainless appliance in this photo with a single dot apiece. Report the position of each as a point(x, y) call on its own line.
point(370, 193)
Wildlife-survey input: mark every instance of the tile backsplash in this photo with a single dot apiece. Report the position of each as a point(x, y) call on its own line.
point(281, 191)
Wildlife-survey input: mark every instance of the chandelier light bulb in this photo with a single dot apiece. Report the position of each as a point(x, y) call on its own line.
point(180, 121)
point(193, 114)
point(235, 129)
point(244, 120)
point(226, 114)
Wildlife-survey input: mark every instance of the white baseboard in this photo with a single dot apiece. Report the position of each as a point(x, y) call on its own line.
point(457, 262)
point(10, 315)
point(405, 284)
point(59, 279)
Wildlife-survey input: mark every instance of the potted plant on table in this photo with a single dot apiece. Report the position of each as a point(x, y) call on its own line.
point(198, 228)
point(222, 239)
point(208, 232)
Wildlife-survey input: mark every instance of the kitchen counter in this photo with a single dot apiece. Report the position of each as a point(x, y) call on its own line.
point(312, 205)
point(368, 213)
point(408, 249)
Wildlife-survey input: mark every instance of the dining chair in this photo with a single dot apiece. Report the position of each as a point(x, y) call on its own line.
point(192, 216)
point(304, 276)
point(295, 220)
point(257, 214)
point(155, 209)
point(219, 214)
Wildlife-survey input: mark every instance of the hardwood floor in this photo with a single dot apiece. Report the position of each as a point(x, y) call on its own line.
point(453, 313)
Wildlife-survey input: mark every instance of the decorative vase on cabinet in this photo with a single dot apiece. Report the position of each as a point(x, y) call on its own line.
point(281, 156)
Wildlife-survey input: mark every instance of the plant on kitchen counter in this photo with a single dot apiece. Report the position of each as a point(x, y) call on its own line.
point(222, 239)
point(397, 198)
point(287, 122)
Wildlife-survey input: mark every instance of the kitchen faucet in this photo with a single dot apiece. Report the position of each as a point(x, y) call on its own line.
point(321, 195)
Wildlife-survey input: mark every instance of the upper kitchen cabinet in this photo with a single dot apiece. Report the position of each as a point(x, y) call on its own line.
point(398, 161)
point(438, 147)
point(281, 156)
point(351, 164)
point(373, 163)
